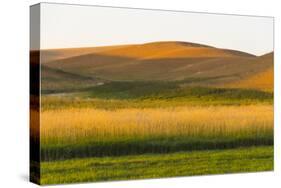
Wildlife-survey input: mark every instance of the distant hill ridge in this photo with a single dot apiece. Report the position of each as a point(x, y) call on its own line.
point(171, 49)
point(159, 49)
point(197, 64)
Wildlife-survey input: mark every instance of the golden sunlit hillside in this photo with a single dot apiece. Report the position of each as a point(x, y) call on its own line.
point(263, 80)
point(153, 50)
point(169, 49)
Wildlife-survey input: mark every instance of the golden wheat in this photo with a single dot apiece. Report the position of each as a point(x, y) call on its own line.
point(74, 124)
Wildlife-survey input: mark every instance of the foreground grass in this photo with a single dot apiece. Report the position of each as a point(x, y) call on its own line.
point(75, 132)
point(250, 159)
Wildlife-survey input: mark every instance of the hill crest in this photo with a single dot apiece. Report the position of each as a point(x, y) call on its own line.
point(151, 50)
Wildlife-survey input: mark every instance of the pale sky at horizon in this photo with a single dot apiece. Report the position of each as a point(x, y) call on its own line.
point(70, 26)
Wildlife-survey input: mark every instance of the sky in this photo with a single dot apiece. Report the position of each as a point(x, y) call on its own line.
point(71, 26)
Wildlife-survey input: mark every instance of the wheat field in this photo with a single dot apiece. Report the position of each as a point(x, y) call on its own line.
point(73, 125)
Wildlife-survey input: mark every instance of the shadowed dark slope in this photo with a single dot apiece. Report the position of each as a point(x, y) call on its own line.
point(56, 81)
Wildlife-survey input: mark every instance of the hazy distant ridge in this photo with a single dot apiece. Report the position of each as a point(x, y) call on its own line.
point(158, 61)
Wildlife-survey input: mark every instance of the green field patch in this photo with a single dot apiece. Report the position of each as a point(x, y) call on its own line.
point(238, 160)
point(117, 95)
point(170, 90)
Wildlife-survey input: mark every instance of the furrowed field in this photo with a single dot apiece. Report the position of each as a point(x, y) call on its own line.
point(159, 133)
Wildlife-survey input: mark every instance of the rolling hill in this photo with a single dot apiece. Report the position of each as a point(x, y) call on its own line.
point(48, 55)
point(170, 49)
point(262, 80)
point(172, 61)
point(148, 50)
point(56, 81)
